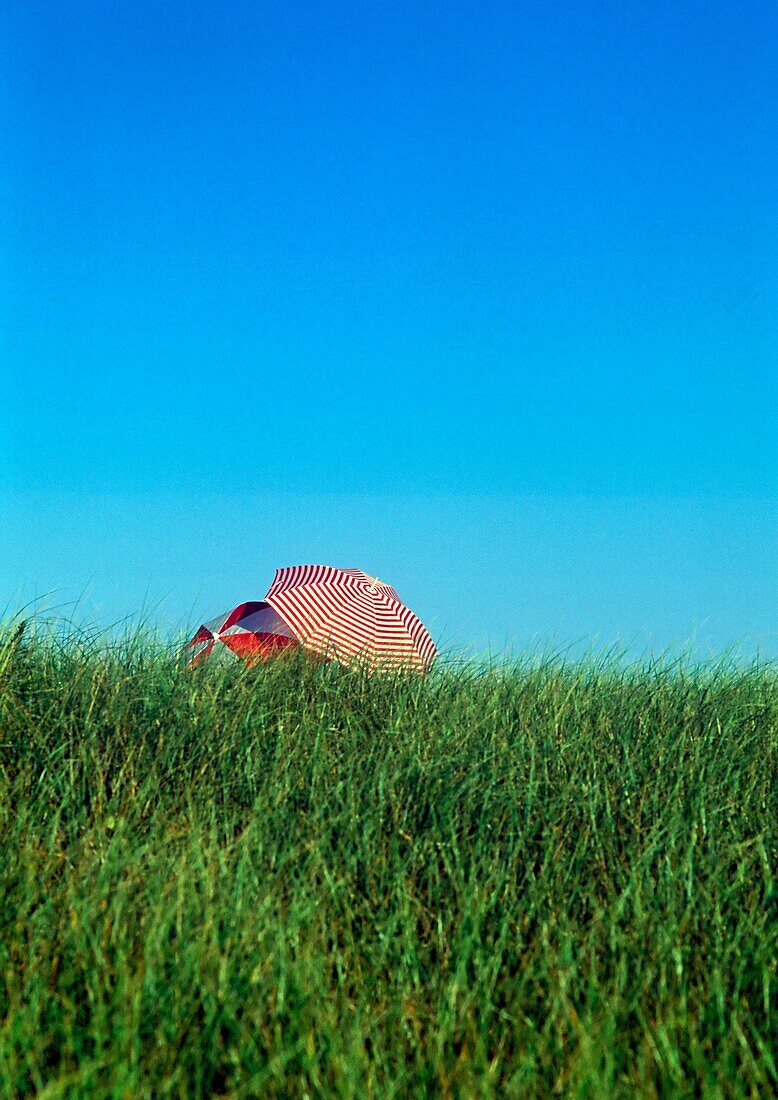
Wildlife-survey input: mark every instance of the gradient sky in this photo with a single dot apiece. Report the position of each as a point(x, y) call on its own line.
point(480, 298)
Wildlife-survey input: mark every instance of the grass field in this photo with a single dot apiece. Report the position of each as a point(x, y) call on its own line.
point(530, 881)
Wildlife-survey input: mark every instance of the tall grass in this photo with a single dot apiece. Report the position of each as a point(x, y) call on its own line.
point(528, 881)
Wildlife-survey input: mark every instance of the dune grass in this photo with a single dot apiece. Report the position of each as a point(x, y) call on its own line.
point(530, 881)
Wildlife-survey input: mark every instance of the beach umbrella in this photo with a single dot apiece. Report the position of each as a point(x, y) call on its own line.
point(253, 631)
point(349, 616)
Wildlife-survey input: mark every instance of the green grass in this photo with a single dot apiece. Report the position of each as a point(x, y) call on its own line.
point(530, 881)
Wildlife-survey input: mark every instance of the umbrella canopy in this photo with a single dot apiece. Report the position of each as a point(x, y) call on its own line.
point(349, 616)
point(253, 631)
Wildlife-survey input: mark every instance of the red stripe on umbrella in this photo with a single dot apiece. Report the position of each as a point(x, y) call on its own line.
point(257, 647)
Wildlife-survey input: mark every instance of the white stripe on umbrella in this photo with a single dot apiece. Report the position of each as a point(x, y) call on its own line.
point(349, 615)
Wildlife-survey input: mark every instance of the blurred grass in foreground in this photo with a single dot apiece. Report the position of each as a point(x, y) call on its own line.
point(298, 881)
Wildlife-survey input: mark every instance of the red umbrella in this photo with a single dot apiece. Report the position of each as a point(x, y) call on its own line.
point(253, 631)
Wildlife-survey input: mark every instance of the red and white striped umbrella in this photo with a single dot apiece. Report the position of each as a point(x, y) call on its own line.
point(349, 616)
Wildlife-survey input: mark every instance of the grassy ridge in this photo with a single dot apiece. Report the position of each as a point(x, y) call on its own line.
point(297, 881)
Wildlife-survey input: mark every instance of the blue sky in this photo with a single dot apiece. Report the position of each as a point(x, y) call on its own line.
point(479, 298)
